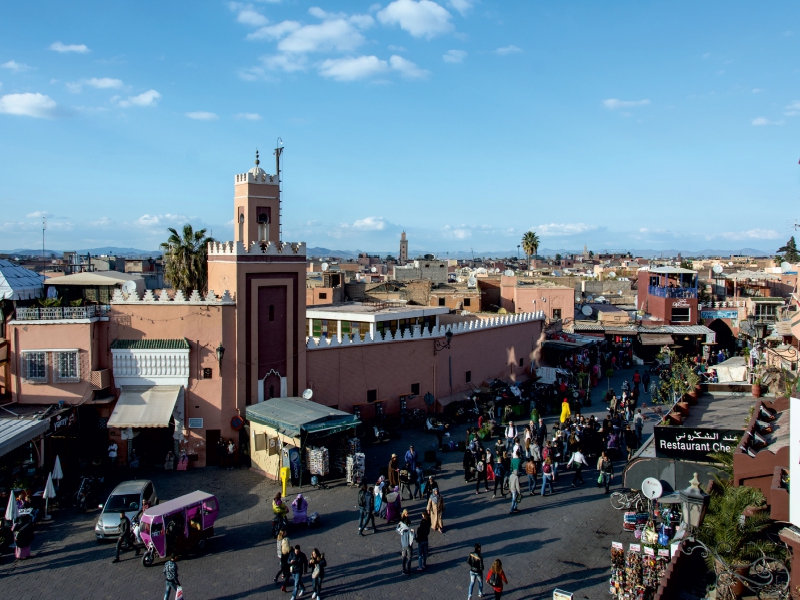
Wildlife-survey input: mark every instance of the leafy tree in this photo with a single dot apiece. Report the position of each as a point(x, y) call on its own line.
point(790, 251)
point(591, 254)
point(686, 264)
point(558, 257)
point(185, 259)
point(530, 245)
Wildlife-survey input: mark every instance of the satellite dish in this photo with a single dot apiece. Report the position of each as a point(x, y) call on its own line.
point(717, 269)
point(129, 288)
point(472, 282)
point(730, 264)
point(586, 310)
point(481, 271)
point(508, 273)
point(324, 266)
point(651, 488)
point(307, 394)
point(612, 273)
point(600, 299)
point(590, 298)
point(785, 266)
point(374, 270)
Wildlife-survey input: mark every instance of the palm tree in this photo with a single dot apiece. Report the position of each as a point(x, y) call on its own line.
point(185, 259)
point(530, 245)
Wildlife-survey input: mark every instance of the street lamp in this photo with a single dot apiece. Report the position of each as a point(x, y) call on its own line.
point(693, 504)
point(438, 346)
point(220, 352)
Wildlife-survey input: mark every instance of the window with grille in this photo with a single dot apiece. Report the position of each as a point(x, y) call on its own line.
point(66, 366)
point(34, 366)
point(681, 315)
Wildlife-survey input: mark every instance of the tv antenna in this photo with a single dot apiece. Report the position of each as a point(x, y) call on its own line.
point(44, 227)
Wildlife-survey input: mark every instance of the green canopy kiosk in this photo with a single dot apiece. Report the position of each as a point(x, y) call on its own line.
point(280, 422)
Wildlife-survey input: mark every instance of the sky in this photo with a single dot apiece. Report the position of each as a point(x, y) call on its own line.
point(617, 125)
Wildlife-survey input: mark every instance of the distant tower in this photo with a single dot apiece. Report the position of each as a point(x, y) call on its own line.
point(403, 249)
point(257, 206)
point(585, 251)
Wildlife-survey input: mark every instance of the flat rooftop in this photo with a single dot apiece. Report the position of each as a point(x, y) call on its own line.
point(721, 410)
point(377, 311)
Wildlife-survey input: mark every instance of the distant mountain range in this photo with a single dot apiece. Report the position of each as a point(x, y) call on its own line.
point(460, 254)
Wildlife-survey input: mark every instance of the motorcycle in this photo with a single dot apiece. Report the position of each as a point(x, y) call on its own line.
point(84, 497)
point(279, 522)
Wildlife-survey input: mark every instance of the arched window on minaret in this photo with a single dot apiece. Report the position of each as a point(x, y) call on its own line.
point(241, 228)
point(263, 221)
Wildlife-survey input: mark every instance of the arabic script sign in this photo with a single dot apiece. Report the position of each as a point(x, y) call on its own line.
point(719, 314)
point(692, 443)
point(681, 303)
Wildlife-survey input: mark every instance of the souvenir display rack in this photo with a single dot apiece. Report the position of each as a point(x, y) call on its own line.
point(635, 575)
point(347, 447)
point(355, 468)
point(317, 461)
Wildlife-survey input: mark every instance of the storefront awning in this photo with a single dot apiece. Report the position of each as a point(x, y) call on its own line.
point(146, 406)
point(15, 432)
point(655, 339)
point(290, 416)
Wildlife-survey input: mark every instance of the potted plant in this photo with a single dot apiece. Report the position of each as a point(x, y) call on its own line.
point(758, 379)
point(693, 384)
point(609, 375)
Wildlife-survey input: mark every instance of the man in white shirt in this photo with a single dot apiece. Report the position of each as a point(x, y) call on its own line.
point(511, 433)
point(112, 453)
point(579, 460)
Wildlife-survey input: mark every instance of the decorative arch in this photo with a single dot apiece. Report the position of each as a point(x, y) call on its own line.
point(262, 385)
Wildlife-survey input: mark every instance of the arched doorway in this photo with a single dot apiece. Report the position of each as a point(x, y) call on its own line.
point(272, 385)
point(724, 336)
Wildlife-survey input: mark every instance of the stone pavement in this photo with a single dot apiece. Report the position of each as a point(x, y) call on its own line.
point(559, 541)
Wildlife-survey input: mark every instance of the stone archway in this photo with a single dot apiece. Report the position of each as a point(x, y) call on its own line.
point(272, 385)
point(724, 336)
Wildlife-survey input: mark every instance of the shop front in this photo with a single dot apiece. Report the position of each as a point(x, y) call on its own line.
point(308, 438)
point(21, 452)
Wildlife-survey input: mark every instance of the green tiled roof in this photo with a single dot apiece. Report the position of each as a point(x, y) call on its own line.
point(176, 344)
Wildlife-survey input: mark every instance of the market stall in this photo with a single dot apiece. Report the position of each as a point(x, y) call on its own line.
point(305, 436)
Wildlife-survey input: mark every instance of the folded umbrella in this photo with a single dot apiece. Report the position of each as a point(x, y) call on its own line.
point(49, 492)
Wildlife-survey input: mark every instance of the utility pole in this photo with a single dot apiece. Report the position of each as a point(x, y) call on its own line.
point(44, 227)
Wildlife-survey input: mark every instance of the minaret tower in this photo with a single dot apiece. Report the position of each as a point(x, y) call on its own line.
point(403, 249)
point(257, 198)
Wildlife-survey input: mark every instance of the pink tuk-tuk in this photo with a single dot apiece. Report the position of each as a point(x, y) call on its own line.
point(178, 525)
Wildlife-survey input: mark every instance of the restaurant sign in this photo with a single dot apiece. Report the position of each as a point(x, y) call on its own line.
point(694, 443)
point(719, 314)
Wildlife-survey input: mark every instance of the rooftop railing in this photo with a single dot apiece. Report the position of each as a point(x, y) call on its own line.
point(669, 292)
point(61, 313)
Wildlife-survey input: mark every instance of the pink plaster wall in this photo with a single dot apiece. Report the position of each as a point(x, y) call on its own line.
point(341, 376)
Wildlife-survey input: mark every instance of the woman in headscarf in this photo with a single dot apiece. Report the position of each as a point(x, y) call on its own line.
point(380, 501)
point(23, 536)
point(565, 411)
point(435, 509)
point(300, 509)
point(394, 505)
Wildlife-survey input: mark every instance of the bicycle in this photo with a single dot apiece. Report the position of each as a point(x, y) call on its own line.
point(628, 499)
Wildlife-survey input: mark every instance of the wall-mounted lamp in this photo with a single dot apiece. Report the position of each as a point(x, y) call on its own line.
point(220, 352)
point(438, 346)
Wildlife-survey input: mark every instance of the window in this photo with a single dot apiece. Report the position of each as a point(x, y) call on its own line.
point(323, 295)
point(415, 388)
point(681, 315)
point(372, 395)
point(521, 362)
point(469, 376)
point(466, 302)
point(441, 302)
point(557, 314)
point(34, 366)
point(271, 312)
point(66, 366)
point(206, 373)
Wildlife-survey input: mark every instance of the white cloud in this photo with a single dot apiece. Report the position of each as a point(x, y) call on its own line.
point(561, 229)
point(148, 220)
point(393, 48)
point(28, 105)
point(201, 115)
point(505, 50)
point(462, 6)
point(760, 121)
point(148, 98)
point(39, 214)
point(338, 35)
point(454, 56)
point(249, 116)
point(462, 234)
point(421, 18)
point(370, 224)
point(757, 90)
point(101, 222)
point(274, 32)
point(752, 234)
point(289, 63)
point(13, 65)
point(248, 15)
point(100, 83)
point(613, 103)
point(352, 68)
point(793, 109)
point(78, 48)
point(407, 68)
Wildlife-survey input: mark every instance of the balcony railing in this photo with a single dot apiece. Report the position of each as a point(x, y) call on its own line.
point(60, 313)
point(668, 292)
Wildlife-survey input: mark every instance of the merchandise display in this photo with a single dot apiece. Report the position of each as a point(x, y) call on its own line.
point(317, 461)
point(347, 447)
point(355, 468)
point(636, 575)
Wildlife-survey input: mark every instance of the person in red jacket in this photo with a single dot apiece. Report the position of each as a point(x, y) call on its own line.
point(496, 578)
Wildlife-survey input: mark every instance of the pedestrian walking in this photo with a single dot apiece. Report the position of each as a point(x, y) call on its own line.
point(298, 564)
point(406, 544)
point(317, 563)
point(530, 471)
point(125, 536)
point(631, 441)
point(481, 474)
point(171, 581)
point(112, 454)
point(579, 460)
point(638, 425)
point(547, 475)
point(514, 490)
point(393, 472)
point(468, 462)
point(411, 458)
point(496, 578)
point(511, 433)
point(606, 468)
point(231, 454)
point(222, 453)
point(565, 411)
point(422, 541)
point(366, 506)
point(419, 479)
point(498, 477)
point(646, 380)
point(475, 562)
point(284, 549)
point(435, 509)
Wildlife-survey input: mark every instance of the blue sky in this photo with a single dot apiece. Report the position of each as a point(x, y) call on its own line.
point(464, 122)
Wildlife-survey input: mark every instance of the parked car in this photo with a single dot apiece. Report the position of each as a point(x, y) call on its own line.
point(127, 496)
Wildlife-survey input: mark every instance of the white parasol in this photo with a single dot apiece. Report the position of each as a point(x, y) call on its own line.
point(49, 492)
point(11, 510)
point(58, 474)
